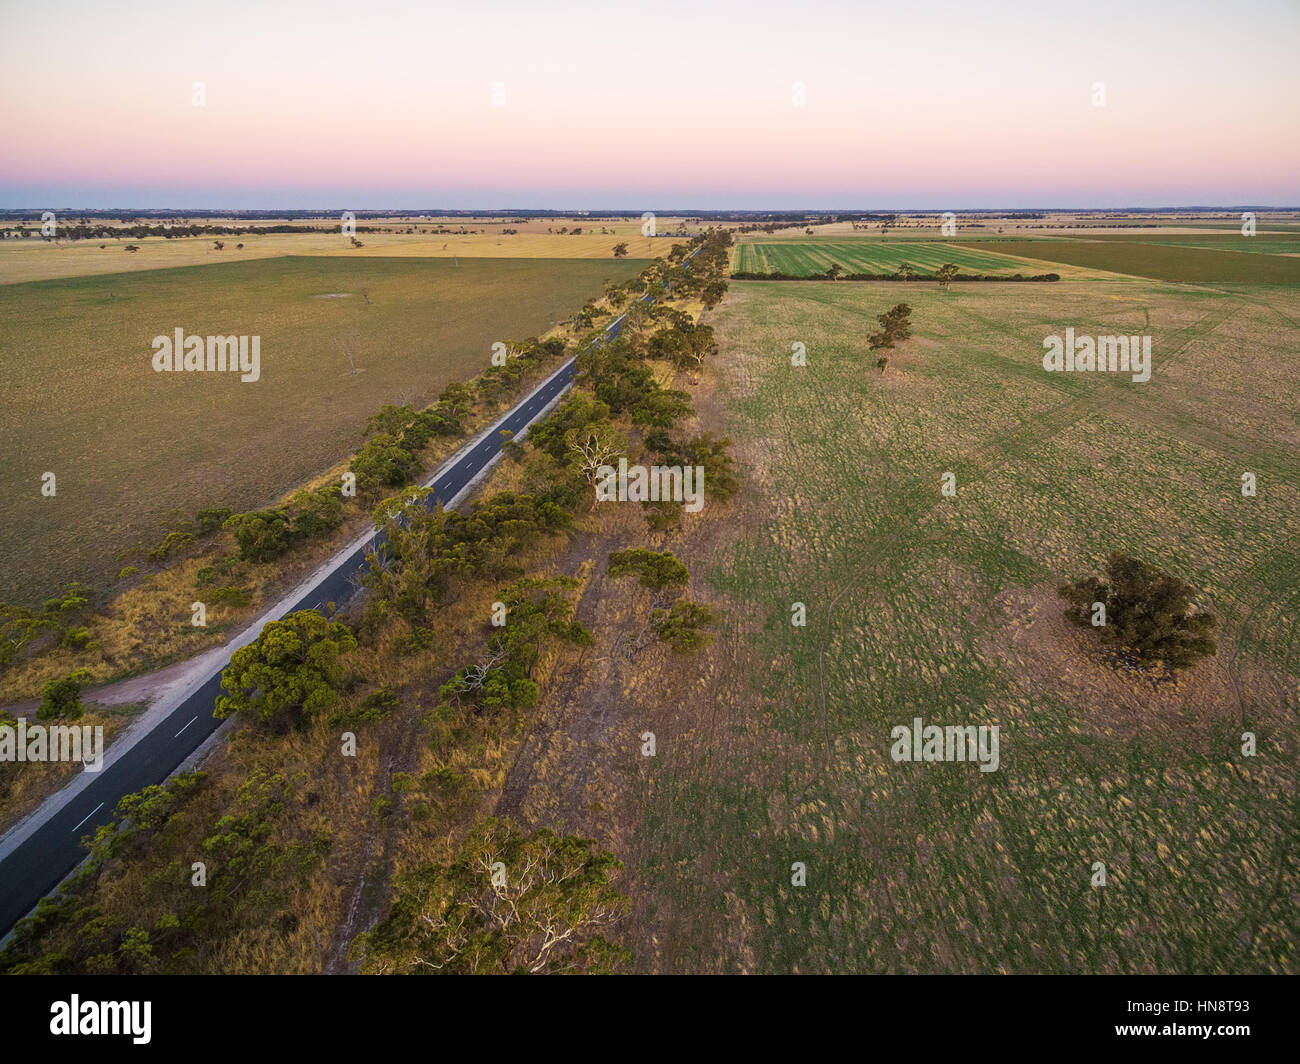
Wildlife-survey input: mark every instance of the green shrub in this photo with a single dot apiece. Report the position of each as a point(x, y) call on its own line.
point(61, 699)
point(656, 570)
point(208, 521)
point(537, 613)
point(171, 543)
point(379, 704)
point(262, 535)
point(72, 600)
point(420, 639)
point(236, 597)
point(77, 638)
point(318, 513)
point(680, 627)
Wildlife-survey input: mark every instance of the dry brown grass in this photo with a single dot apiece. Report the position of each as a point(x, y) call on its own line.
point(33, 259)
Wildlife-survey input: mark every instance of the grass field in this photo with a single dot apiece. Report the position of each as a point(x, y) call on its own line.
point(778, 751)
point(1263, 243)
point(129, 445)
point(805, 259)
point(1165, 261)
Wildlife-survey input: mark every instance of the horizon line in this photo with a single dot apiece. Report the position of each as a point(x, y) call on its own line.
point(673, 211)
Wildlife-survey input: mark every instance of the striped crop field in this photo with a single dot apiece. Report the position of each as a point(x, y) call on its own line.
point(870, 256)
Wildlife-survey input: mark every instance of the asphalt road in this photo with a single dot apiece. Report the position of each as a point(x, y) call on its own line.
point(40, 861)
point(37, 858)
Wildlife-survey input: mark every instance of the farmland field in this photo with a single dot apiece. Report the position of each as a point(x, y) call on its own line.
point(946, 609)
point(32, 259)
point(1165, 261)
point(806, 259)
point(128, 445)
point(1263, 243)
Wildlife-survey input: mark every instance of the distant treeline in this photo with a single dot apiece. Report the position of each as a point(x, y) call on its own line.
point(771, 223)
point(67, 231)
point(778, 276)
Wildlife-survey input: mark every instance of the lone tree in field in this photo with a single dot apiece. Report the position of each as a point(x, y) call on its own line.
point(897, 322)
point(1144, 615)
point(945, 274)
point(620, 251)
point(895, 326)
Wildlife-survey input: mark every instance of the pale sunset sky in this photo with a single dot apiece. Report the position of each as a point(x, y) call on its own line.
point(674, 104)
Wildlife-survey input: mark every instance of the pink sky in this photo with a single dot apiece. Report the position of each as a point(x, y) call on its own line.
point(671, 104)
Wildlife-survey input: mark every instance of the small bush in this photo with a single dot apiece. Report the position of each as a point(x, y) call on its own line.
point(230, 596)
point(61, 699)
point(208, 521)
point(262, 535)
point(379, 703)
point(171, 543)
point(375, 706)
point(420, 639)
point(681, 626)
point(655, 570)
point(77, 638)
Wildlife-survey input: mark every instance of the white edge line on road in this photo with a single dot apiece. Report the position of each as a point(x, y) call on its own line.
point(88, 816)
